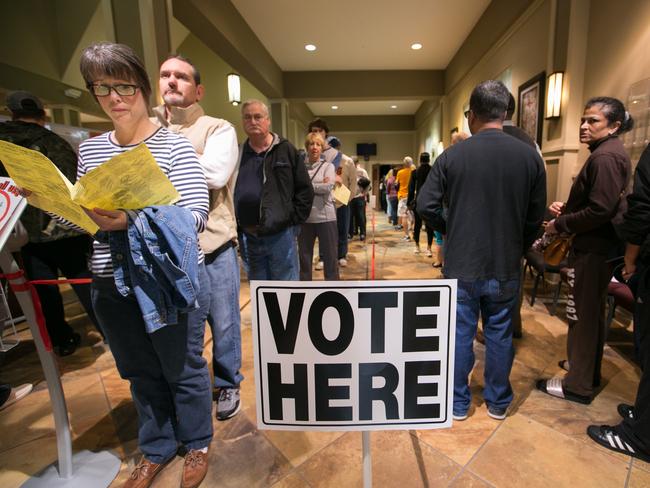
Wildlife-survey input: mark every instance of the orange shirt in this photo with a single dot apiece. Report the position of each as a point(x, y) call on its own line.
point(403, 178)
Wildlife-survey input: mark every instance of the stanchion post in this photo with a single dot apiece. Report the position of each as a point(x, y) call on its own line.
point(367, 459)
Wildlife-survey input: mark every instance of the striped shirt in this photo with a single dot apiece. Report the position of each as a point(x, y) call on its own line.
point(176, 158)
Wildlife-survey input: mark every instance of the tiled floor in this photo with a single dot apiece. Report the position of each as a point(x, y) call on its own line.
point(541, 443)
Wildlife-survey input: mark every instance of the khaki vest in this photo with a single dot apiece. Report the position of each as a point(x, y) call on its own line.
point(192, 123)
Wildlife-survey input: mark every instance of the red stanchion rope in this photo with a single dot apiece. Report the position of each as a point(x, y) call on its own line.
point(38, 310)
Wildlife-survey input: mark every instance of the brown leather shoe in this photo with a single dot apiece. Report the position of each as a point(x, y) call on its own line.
point(194, 469)
point(143, 474)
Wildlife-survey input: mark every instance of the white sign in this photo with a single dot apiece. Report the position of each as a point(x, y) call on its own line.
point(354, 355)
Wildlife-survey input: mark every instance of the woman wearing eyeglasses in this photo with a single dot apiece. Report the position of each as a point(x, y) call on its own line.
point(170, 383)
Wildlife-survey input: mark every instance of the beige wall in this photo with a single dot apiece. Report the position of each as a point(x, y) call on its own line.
point(429, 133)
point(391, 146)
point(213, 76)
point(523, 51)
point(618, 56)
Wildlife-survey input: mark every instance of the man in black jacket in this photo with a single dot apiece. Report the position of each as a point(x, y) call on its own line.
point(273, 194)
point(495, 186)
point(632, 435)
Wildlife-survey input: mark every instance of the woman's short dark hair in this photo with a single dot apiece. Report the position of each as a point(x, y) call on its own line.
point(107, 59)
point(489, 100)
point(614, 110)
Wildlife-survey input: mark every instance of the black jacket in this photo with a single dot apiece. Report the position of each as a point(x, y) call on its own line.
point(636, 221)
point(287, 193)
point(418, 177)
point(33, 136)
point(496, 188)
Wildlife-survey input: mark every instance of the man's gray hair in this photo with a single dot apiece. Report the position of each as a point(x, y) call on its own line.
point(254, 101)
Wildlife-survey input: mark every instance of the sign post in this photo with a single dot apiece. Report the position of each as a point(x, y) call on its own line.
point(346, 355)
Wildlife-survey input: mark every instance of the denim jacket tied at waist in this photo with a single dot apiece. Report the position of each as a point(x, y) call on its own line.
point(156, 259)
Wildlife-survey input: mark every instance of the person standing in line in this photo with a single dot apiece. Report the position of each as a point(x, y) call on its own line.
point(596, 204)
point(321, 222)
point(51, 247)
point(273, 196)
point(418, 177)
point(403, 179)
point(158, 349)
point(347, 174)
point(215, 142)
point(491, 174)
point(631, 436)
point(358, 202)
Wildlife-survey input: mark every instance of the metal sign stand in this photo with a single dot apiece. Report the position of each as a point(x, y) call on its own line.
point(367, 459)
point(82, 469)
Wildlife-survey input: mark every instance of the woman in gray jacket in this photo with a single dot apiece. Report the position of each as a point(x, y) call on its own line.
point(321, 222)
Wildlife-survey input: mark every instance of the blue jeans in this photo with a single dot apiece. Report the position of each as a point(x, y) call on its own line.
point(343, 222)
point(170, 382)
point(273, 257)
point(224, 319)
point(392, 210)
point(494, 300)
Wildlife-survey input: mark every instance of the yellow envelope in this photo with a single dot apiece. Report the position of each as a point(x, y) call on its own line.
point(341, 194)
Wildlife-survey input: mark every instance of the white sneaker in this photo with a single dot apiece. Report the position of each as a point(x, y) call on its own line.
point(416, 250)
point(16, 394)
point(343, 262)
point(429, 253)
point(320, 265)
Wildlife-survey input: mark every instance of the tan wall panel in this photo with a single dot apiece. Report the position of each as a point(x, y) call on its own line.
point(524, 52)
point(213, 71)
point(391, 146)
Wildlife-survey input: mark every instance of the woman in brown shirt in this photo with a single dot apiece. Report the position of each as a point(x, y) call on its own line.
point(596, 202)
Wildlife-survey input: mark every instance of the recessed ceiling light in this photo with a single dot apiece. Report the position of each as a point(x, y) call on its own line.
point(393, 106)
point(416, 45)
point(335, 107)
point(310, 47)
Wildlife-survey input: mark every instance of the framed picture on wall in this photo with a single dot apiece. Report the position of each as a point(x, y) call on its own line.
point(530, 106)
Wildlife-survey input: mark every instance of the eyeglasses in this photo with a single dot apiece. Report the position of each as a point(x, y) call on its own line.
point(255, 117)
point(466, 113)
point(122, 90)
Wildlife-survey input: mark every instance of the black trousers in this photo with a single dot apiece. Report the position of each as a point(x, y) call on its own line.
point(42, 261)
point(358, 216)
point(638, 429)
point(418, 228)
point(589, 276)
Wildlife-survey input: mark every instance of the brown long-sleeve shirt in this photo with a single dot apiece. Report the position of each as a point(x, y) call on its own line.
point(596, 198)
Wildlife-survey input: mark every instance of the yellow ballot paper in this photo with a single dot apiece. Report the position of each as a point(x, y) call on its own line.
point(341, 194)
point(50, 188)
point(130, 180)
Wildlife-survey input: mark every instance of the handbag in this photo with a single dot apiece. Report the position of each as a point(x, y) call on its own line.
point(555, 252)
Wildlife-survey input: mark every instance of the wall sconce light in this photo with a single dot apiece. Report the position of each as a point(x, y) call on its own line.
point(440, 148)
point(554, 95)
point(234, 89)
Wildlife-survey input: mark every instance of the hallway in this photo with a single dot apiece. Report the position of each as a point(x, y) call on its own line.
point(542, 442)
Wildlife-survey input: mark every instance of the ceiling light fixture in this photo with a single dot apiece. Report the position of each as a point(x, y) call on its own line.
point(416, 45)
point(393, 106)
point(335, 107)
point(234, 89)
point(310, 47)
